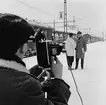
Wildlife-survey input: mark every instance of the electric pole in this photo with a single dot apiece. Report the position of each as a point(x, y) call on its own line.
point(74, 20)
point(89, 30)
point(65, 17)
point(54, 24)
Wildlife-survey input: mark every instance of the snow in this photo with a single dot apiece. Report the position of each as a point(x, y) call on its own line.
point(90, 81)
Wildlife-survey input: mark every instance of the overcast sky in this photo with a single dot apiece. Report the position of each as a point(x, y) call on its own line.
point(88, 13)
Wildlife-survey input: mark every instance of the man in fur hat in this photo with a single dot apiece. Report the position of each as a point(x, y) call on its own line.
point(81, 48)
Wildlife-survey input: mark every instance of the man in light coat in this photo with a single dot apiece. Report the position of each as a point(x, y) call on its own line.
point(70, 48)
point(81, 48)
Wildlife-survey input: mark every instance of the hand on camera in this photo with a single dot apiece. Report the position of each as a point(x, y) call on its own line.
point(57, 68)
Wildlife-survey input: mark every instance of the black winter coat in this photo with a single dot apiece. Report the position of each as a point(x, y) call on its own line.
point(18, 87)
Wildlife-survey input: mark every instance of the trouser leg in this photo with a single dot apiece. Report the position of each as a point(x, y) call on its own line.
point(68, 63)
point(77, 61)
point(71, 60)
point(82, 63)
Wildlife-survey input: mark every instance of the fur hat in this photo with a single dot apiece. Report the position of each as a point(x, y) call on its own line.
point(71, 34)
point(79, 32)
point(14, 32)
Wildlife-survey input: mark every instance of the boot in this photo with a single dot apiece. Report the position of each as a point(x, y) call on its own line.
point(82, 63)
point(77, 61)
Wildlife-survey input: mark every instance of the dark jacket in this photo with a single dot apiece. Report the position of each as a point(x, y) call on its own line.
point(18, 87)
point(81, 46)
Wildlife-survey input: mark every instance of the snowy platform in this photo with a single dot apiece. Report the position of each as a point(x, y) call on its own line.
point(90, 81)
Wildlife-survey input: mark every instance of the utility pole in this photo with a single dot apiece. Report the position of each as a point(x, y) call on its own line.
point(54, 24)
point(65, 17)
point(89, 30)
point(74, 21)
point(74, 25)
point(54, 28)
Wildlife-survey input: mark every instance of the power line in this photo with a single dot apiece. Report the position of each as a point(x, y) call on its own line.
point(35, 8)
point(56, 22)
point(66, 25)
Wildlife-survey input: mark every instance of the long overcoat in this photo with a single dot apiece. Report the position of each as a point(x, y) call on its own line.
point(81, 47)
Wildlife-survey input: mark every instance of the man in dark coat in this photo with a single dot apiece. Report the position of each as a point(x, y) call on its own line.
point(17, 85)
point(81, 48)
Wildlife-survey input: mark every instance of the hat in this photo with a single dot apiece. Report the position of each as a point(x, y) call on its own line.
point(71, 34)
point(14, 32)
point(79, 32)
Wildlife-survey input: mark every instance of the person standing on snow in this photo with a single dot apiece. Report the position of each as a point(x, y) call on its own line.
point(81, 48)
point(70, 48)
point(18, 86)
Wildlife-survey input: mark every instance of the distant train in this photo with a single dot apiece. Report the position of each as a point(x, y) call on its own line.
point(52, 34)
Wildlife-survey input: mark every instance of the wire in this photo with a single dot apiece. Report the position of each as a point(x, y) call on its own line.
point(77, 88)
point(33, 7)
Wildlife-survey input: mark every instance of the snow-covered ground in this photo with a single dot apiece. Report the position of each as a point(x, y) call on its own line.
point(91, 81)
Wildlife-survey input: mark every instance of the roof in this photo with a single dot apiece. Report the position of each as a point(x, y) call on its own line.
point(39, 24)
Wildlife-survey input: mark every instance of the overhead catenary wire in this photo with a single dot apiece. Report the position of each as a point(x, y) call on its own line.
point(35, 8)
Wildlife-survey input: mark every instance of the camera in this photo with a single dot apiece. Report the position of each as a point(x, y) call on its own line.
point(45, 49)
